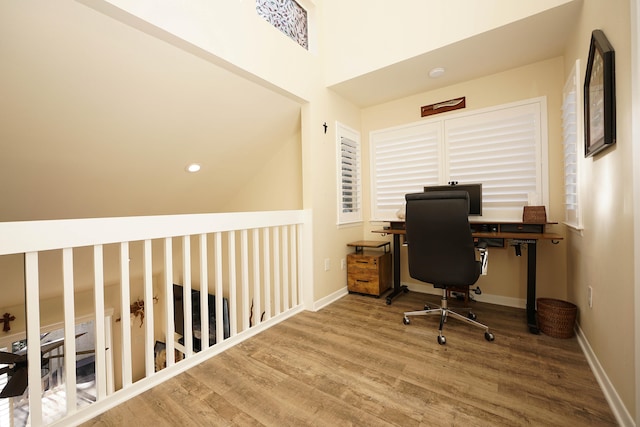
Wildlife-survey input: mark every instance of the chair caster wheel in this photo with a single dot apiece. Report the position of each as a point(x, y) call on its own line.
point(427, 307)
point(388, 301)
point(406, 321)
point(472, 316)
point(442, 340)
point(405, 289)
point(489, 336)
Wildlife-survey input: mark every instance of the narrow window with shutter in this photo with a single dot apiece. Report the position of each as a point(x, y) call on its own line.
point(349, 175)
point(570, 136)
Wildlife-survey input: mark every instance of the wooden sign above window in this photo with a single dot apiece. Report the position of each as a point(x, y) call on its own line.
point(442, 107)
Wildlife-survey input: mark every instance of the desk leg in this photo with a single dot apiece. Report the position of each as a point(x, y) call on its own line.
point(532, 320)
point(397, 287)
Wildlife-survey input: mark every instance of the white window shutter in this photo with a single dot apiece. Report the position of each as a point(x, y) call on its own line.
point(502, 150)
point(349, 175)
point(403, 161)
point(570, 137)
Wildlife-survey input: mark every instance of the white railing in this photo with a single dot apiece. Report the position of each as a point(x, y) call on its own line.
point(256, 266)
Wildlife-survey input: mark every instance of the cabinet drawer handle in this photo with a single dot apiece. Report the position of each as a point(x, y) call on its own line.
point(362, 262)
point(363, 281)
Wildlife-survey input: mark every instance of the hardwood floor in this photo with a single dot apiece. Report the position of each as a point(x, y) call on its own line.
point(355, 363)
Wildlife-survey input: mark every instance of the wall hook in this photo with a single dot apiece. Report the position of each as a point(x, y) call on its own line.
point(325, 127)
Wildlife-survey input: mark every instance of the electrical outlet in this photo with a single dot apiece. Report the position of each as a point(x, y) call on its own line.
point(327, 264)
point(590, 296)
point(343, 264)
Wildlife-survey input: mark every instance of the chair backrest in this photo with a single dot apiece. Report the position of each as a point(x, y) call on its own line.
point(440, 245)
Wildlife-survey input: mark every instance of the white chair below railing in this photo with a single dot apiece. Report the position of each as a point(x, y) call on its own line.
point(243, 271)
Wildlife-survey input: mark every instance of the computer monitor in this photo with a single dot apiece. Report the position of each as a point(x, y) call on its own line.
point(474, 191)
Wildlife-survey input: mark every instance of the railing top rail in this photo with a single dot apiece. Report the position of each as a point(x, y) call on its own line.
point(32, 236)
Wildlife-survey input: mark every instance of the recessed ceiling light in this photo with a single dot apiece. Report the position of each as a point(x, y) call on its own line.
point(434, 73)
point(193, 167)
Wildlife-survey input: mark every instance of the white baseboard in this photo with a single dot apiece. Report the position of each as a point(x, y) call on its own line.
point(323, 302)
point(617, 406)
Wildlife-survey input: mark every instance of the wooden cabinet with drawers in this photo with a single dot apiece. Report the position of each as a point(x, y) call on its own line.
point(369, 272)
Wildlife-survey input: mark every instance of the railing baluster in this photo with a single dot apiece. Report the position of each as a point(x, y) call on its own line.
point(168, 311)
point(218, 286)
point(149, 339)
point(186, 295)
point(69, 330)
point(277, 284)
point(34, 367)
point(233, 300)
point(244, 268)
point(294, 266)
point(285, 268)
point(256, 277)
point(125, 319)
point(298, 229)
point(204, 294)
point(266, 261)
point(100, 345)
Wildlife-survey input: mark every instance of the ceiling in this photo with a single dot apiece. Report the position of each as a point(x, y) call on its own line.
point(527, 41)
point(100, 119)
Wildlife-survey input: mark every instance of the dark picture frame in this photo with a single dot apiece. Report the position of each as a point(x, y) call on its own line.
point(599, 96)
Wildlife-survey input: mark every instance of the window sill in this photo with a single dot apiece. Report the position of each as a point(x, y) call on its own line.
point(574, 228)
point(341, 225)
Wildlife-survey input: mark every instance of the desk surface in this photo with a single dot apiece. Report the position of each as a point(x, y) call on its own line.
point(368, 244)
point(488, 234)
point(516, 235)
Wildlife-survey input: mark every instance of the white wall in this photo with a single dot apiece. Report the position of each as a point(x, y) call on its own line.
point(230, 33)
point(602, 255)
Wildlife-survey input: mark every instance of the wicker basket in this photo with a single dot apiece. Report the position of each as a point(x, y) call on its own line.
point(556, 318)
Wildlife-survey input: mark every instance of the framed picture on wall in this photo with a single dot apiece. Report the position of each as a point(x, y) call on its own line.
point(599, 96)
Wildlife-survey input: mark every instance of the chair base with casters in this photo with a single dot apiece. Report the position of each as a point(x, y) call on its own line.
point(445, 313)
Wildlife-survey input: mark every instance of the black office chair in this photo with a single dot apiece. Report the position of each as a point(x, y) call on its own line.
point(441, 250)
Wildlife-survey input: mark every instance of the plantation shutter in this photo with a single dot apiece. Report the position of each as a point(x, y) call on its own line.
point(502, 150)
point(404, 160)
point(349, 170)
point(349, 176)
point(570, 129)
